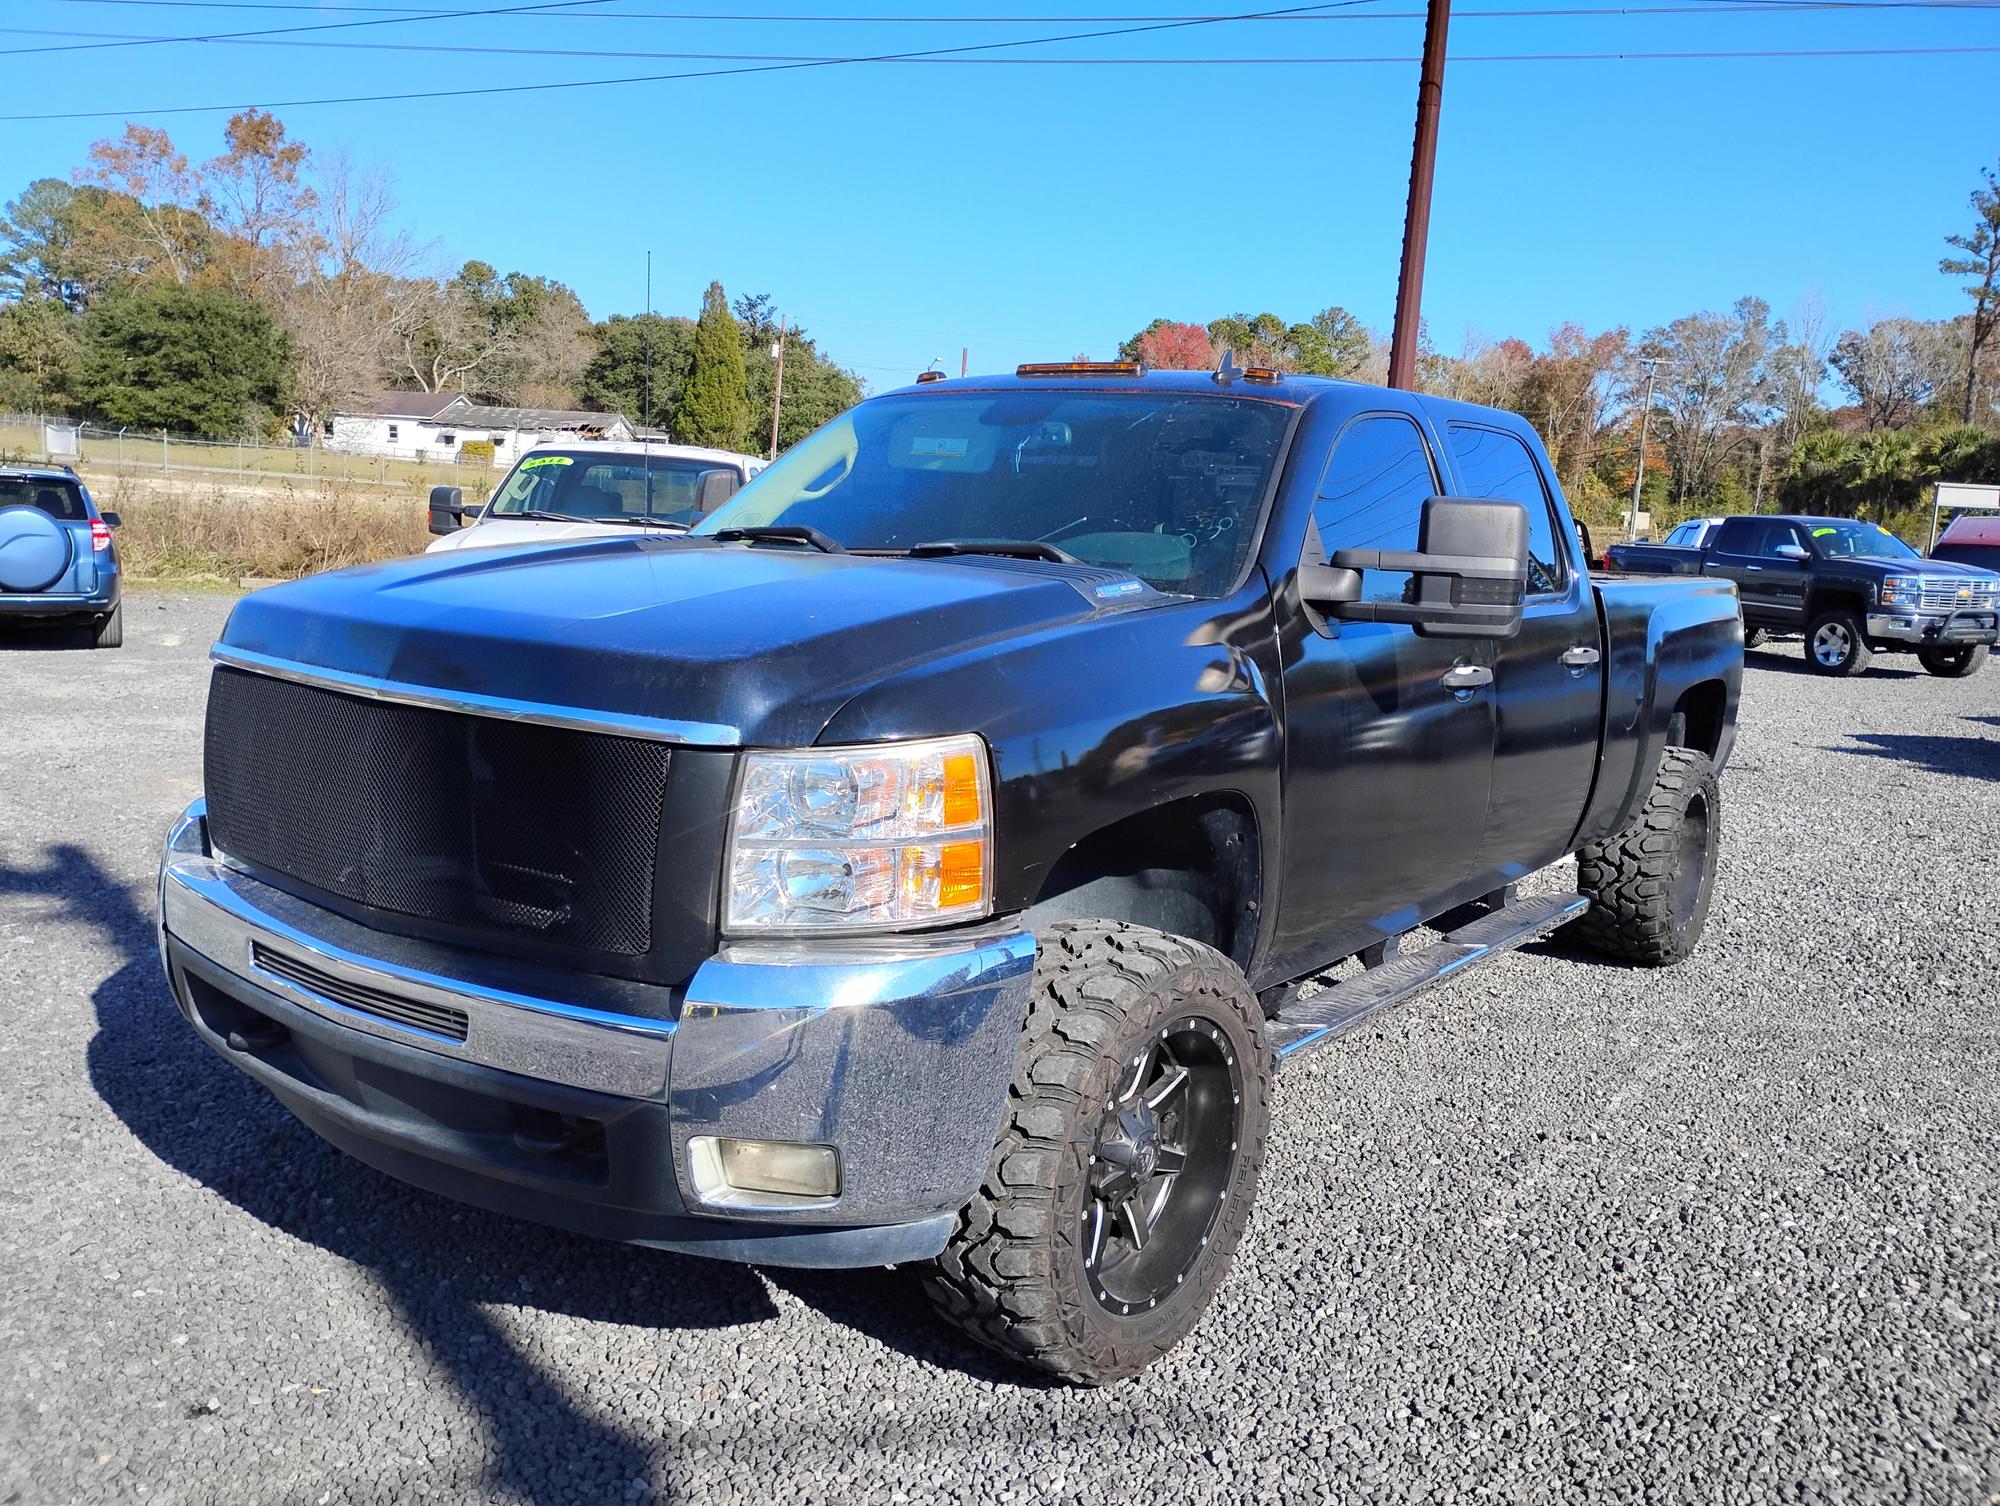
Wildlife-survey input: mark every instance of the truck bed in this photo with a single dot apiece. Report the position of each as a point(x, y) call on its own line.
point(1663, 638)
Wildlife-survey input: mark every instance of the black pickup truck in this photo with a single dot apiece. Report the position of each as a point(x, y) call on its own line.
point(1854, 589)
point(926, 858)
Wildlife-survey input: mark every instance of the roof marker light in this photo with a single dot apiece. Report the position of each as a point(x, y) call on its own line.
point(1079, 368)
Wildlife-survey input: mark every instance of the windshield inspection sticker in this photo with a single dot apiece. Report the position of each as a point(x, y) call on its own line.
point(529, 465)
point(937, 447)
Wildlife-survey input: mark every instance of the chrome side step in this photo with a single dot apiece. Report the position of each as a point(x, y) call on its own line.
point(1301, 1026)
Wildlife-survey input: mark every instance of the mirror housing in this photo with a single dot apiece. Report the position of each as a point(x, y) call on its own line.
point(447, 509)
point(1797, 553)
point(111, 519)
point(713, 488)
point(1467, 575)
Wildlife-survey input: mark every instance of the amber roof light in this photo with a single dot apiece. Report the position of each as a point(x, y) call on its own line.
point(1080, 368)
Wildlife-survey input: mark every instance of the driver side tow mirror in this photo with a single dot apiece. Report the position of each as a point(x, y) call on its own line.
point(713, 489)
point(1467, 575)
point(449, 511)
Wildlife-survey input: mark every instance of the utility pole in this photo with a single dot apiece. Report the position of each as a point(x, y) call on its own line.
point(964, 360)
point(778, 385)
point(1639, 475)
point(1417, 221)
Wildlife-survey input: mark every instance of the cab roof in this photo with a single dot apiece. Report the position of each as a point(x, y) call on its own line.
point(1080, 376)
point(642, 446)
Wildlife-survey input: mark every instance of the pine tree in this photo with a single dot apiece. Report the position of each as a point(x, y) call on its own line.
point(715, 403)
point(1981, 262)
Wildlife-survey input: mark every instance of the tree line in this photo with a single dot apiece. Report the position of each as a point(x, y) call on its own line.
point(270, 285)
point(1747, 412)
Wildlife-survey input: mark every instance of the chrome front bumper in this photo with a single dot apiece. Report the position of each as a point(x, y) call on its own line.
point(897, 1053)
point(1968, 625)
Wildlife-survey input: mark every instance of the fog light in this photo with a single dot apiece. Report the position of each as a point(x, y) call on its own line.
point(773, 1168)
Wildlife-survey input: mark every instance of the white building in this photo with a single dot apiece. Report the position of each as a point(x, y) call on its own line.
point(436, 425)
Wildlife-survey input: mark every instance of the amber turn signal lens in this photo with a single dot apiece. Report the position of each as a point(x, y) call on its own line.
point(961, 790)
point(962, 875)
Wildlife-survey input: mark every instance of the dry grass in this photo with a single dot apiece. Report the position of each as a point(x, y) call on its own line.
point(173, 527)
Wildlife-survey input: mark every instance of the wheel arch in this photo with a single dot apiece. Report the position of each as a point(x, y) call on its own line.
point(1192, 866)
point(1700, 715)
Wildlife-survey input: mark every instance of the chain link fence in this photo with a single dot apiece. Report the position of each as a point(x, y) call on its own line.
point(45, 437)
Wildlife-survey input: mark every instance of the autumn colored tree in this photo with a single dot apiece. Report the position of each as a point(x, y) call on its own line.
point(1175, 347)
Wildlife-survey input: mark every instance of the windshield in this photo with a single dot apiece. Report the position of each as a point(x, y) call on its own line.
point(1165, 485)
point(604, 488)
point(60, 499)
point(1841, 540)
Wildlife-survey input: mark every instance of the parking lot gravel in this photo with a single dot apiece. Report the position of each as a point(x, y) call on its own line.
point(1556, 1231)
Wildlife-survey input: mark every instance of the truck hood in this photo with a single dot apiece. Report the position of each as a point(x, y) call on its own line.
point(486, 535)
point(749, 645)
point(1896, 565)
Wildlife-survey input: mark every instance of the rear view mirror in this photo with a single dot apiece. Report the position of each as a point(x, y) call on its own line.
point(112, 520)
point(713, 489)
point(1467, 576)
point(1796, 552)
point(447, 509)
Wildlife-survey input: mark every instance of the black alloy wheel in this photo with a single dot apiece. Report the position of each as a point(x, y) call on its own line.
point(1160, 1171)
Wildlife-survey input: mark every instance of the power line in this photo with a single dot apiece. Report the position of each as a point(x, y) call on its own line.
point(530, 14)
point(660, 78)
point(1771, 53)
point(1734, 7)
point(818, 59)
point(274, 31)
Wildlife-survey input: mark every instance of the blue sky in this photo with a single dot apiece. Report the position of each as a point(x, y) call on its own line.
point(901, 211)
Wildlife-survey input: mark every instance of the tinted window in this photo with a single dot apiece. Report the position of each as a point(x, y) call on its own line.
point(1165, 484)
point(1497, 466)
point(1373, 493)
point(1737, 536)
point(53, 495)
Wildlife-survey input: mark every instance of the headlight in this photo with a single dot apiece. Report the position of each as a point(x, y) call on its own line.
point(1902, 590)
point(865, 838)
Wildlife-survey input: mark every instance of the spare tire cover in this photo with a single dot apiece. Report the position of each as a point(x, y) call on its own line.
point(34, 549)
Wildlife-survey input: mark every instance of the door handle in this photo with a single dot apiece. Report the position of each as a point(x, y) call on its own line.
point(1580, 657)
point(1466, 677)
point(1753, 567)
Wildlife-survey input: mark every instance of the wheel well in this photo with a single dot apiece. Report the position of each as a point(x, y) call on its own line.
point(1698, 717)
point(1192, 867)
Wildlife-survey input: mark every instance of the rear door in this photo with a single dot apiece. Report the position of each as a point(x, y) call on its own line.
point(1387, 750)
point(1549, 678)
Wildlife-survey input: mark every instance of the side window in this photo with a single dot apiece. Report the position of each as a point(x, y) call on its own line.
point(1737, 536)
point(1495, 465)
point(1773, 536)
point(1373, 493)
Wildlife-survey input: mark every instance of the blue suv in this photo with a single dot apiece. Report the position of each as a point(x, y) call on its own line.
point(56, 556)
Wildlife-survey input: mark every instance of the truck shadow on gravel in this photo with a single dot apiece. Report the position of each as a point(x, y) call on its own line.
point(438, 1263)
point(1964, 757)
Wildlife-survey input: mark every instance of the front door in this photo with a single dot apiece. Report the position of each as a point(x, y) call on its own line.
point(1548, 685)
point(1386, 764)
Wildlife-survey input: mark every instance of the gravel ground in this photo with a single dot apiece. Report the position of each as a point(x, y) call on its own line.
point(1555, 1231)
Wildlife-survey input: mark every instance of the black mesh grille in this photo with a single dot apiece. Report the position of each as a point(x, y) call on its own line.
point(510, 827)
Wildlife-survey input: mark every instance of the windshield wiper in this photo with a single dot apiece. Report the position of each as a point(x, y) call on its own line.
point(640, 522)
point(1035, 549)
point(781, 533)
